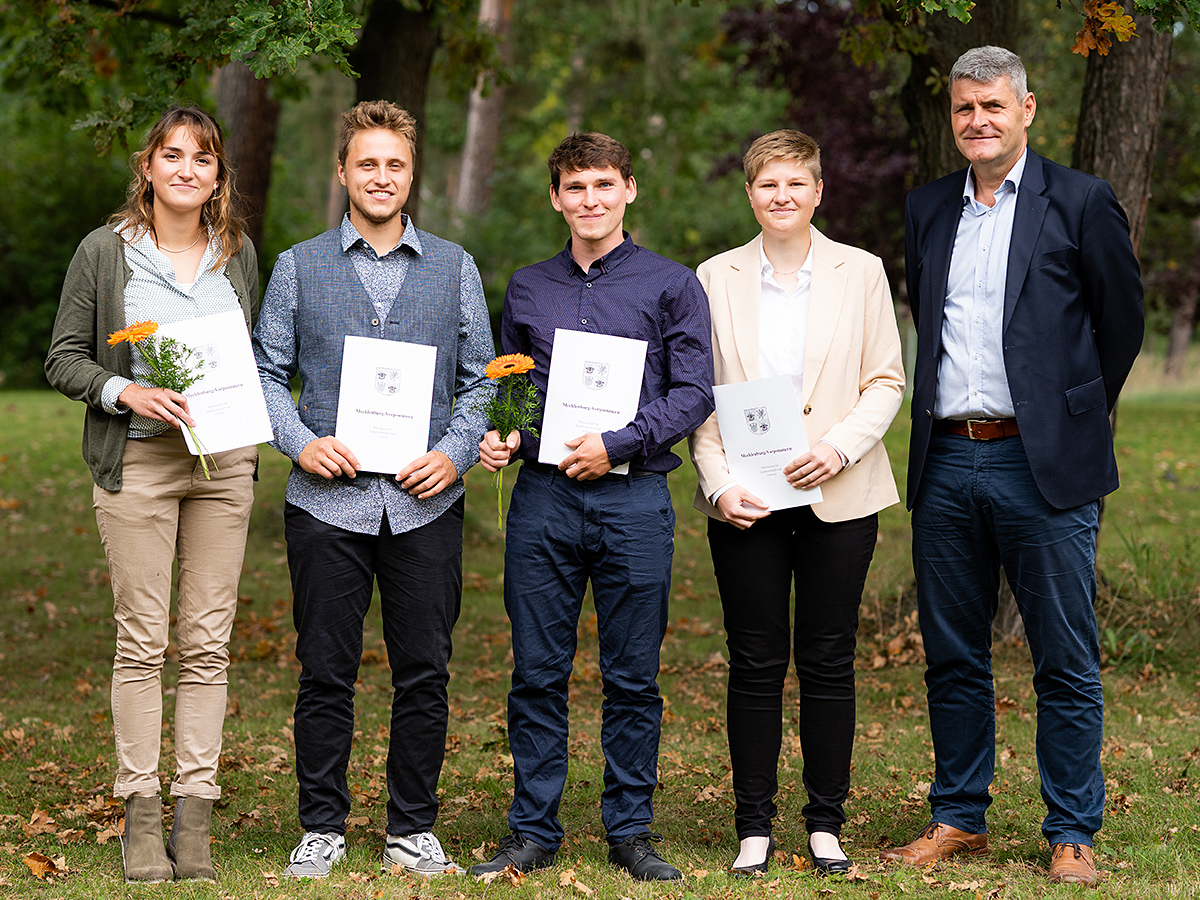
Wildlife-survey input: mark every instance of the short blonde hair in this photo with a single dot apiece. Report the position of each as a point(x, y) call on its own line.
point(377, 114)
point(783, 144)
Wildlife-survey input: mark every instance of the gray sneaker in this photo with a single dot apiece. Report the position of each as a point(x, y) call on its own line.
point(420, 854)
point(315, 855)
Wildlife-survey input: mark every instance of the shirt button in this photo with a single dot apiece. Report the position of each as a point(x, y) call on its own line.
point(589, 284)
point(375, 322)
point(583, 321)
point(807, 410)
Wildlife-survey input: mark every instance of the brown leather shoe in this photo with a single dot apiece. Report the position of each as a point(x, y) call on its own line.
point(1073, 864)
point(936, 842)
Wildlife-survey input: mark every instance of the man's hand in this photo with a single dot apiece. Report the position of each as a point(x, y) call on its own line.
point(741, 508)
point(816, 466)
point(157, 403)
point(428, 475)
point(328, 457)
point(590, 459)
point(495, 454)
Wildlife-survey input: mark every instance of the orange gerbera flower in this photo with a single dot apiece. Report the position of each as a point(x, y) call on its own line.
point(133, 333)
point(509, 364)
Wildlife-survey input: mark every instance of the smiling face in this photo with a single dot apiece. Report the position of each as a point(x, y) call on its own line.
point(593, 203)
point(182, 173)
point(989, 123)
point(784, 196)
point(378, 174)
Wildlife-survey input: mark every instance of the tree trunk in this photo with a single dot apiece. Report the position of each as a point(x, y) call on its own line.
point(924, 97)
point(250, 117)
point(1184, 304)
point(1121, 107)
point(393, 58)
point(485, 111)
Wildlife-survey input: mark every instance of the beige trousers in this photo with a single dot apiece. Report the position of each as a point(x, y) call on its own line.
point(167, 511)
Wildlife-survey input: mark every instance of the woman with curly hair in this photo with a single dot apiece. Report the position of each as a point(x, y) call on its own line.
point(175, 251)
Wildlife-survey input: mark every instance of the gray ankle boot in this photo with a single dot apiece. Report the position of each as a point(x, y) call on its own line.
point(142, 842)
point(188, 844)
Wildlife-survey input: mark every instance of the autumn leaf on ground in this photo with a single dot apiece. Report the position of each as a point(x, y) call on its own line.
point(271, 879)
point(480, 852)
point(568, 878)
point(103, 837)
point(967, 886)
point(509, 873)
point(39, 823)
point(43, 867)
point(856, 874)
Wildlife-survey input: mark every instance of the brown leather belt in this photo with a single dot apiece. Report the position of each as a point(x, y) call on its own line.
point(980, 429)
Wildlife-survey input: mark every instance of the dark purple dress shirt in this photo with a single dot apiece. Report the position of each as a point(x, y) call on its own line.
point(634, 293)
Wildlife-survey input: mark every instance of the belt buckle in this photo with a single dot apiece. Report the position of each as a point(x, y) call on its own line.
point(971, 423)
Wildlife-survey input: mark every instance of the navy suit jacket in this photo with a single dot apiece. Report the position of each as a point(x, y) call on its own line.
point(1073, 321)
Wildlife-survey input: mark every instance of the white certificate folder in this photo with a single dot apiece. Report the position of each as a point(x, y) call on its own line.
point(385, 401)
point(227, 402)
point(595, 385)
point(762, 431)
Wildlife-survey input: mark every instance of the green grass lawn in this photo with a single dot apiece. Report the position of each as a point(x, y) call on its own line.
point(56, 759)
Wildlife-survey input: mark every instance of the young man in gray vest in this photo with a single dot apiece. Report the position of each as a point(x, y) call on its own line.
point(376, 275)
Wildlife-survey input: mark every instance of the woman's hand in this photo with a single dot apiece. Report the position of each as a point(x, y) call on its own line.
point(157, 403)
point(815, 467)
point(741, 508)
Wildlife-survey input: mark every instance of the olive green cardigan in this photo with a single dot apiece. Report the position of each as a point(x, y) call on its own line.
point(92, 307)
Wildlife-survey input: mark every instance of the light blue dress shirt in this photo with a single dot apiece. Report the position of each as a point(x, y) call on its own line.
point(972, 383)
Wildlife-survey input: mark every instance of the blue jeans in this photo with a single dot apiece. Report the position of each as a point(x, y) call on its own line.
point(979, 509)
point(561, 532)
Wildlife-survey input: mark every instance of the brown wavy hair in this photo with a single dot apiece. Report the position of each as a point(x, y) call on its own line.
point(218, 214)
point(589, 150)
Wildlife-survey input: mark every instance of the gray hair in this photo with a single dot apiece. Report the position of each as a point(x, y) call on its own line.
point(985, 64)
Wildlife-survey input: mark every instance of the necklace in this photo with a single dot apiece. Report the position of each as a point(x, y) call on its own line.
point(793, 272)
point(184, 250)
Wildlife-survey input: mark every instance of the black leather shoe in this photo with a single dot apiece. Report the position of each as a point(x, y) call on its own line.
point(639, 859)
point(523, 854)
point(756, 868)
point(825, 866)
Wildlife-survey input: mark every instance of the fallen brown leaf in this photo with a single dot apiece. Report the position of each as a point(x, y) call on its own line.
point(568, 879)
point(43, 867)
point(509, 873)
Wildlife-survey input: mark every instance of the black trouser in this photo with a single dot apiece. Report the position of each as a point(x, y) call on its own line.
point(420, 589)
point(755, 569)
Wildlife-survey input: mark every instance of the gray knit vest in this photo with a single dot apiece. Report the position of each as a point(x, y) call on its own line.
point(332, 303)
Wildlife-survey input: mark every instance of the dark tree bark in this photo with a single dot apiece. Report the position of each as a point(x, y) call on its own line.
point(1121, 107)
point(1119, 115)
point(924, 98)
point(485, 111)
point(250, 117)
point(393, 59)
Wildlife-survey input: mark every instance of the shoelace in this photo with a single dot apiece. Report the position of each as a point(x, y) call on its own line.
point(430, 847)
point(641, 842)
point(313, 846)
point(1062, 849)
point(511, 841)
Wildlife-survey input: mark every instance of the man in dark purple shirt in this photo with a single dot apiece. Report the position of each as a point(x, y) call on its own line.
point(578, 520)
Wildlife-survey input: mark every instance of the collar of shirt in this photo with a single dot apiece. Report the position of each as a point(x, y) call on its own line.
point(350, 237)
point(1012, 182)
point(803, 274)
point(606, 263)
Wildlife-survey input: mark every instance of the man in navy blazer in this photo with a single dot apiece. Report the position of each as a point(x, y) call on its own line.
point(1028, 304)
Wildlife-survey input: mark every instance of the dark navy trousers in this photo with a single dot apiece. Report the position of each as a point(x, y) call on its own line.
point(619, 533)
point(979, 509)
point(420, 589)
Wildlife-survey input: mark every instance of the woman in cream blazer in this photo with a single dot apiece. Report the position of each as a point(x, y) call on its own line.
point(794, 302)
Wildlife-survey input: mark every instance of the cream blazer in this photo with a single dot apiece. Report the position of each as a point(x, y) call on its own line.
point(853, 369)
